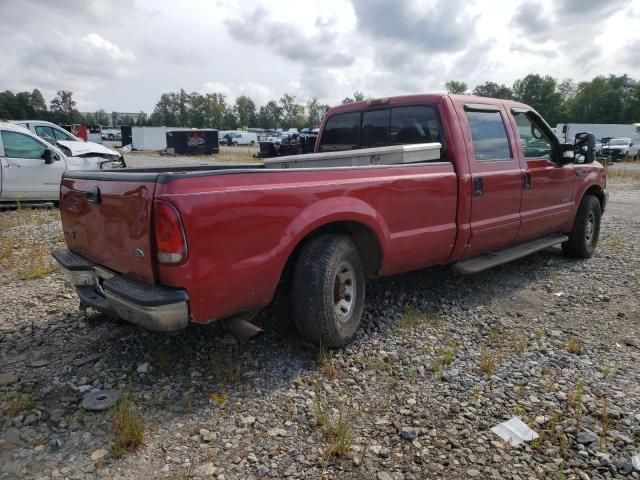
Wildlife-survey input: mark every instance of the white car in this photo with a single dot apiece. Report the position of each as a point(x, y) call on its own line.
point(71, 145)
point(239, 138)
point(620, 148)
point(31, 168)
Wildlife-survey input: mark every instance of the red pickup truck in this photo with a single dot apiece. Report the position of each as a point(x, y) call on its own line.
point(439, 179)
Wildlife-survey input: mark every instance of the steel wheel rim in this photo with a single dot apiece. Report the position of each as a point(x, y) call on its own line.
point(590, 228)
point(344, 291)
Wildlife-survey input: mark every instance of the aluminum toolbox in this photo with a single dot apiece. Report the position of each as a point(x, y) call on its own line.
point(395, 154)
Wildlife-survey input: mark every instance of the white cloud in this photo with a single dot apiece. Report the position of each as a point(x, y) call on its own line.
point(122, 55)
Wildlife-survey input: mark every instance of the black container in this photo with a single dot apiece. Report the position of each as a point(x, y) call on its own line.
point(125, 135)
point(193, 142)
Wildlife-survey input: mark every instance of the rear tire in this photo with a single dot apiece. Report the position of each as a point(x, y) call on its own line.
point(586, 229)
point(328, 291)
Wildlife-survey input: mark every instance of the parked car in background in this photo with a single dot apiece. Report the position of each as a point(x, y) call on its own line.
point(71, 145)
point(619, 149)
point(243, 138)
point(404, 183)
point(31, 167)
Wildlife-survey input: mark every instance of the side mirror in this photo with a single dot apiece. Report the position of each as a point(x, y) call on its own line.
point(48, 157)
point(585, 148)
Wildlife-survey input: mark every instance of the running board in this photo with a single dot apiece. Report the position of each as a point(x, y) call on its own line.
point(489, 260)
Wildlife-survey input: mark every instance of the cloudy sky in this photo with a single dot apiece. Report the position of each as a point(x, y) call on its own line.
point(121, 55)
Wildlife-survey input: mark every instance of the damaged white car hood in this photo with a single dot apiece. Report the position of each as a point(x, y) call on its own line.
point(87, 149)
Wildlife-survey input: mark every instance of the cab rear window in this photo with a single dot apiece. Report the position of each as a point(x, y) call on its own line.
point(377, 128)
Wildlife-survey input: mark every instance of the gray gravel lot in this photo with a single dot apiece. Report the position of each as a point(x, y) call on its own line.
point(441, 358)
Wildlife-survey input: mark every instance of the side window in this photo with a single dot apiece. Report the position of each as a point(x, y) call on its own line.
point(62, 135)
point(45, 132)
point(375, 128)
point(489, 136)
point(341, 132)
point(535, 144)
point(414, 125)
point(19, 145)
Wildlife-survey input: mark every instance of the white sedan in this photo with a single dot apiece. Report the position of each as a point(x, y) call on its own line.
point(31, 168)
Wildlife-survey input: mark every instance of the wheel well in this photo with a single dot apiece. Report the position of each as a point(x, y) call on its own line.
point(362, 236)
point(597, 192)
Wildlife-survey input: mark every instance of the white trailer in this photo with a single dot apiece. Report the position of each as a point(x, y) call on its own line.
point(151, 138)
point(566, 132)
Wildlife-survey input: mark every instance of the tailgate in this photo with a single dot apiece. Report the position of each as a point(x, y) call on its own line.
point(109, 222)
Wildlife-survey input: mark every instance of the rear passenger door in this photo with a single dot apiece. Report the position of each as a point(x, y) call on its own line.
point(496, 178)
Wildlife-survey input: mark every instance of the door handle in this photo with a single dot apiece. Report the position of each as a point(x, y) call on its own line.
point(478, 186)
point(527, 181)
point(93, 195)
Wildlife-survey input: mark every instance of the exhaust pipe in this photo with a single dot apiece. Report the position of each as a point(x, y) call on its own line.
point(241, 327)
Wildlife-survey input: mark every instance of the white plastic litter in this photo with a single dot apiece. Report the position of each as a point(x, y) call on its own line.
point(514, 431)
point(126, 148)
point(635, 461)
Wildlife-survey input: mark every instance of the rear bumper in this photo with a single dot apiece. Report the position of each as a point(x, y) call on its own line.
point(153, 307)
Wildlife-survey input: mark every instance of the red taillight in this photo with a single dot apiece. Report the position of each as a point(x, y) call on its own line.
point(171, 243)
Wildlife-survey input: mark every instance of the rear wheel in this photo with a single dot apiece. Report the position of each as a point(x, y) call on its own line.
point(586, 229)
point(328, 291)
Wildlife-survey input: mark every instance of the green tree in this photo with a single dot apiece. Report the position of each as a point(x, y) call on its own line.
point(540, 93)
point(456, 87)
point(493, 90)
point(38, 105)
point(315, 112)
point(214, 110)
point(357, 97)
point(141, 121)
point(292, 112)
point(245, 111)
point(270, 115)
point(62, 107)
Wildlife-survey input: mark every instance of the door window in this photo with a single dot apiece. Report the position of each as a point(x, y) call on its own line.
point(489, 136)
point(45, 132)
point(62, 135)
point(19, 145)
point(535, 143)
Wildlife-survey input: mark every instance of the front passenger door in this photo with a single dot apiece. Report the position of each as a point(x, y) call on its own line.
point(547, 198)
point(25, 175)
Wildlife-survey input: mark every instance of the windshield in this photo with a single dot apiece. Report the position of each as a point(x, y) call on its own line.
point(618, 141)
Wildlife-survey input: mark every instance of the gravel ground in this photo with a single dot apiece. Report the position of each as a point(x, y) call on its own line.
point(441, 359)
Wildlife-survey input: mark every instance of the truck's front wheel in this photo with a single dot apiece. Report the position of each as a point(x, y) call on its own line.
point(586, 229)
point(328, 291)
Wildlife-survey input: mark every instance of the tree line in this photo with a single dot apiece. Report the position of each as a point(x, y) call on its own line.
point(611, 99)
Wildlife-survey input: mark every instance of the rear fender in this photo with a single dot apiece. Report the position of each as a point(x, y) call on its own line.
point(331, 210)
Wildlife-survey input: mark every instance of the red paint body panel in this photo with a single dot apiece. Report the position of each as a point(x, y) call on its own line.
point(109, 232)
point(242, 226)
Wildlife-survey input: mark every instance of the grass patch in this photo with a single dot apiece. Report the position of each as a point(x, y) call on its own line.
point(623, 173)
point(226, 367)
point(127, 424)
point(19, 403)
point(326, 363)
point(575, 401)
point(335, 428)
point(414, 319)
point(488, 363)
point(24, 245)
point(574, 346)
